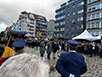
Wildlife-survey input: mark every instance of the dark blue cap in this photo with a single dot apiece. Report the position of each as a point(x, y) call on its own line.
point(73, 42)
point(2, 42)
point(19, 43)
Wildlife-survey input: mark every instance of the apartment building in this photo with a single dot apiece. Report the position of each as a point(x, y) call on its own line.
point(94, 17)
point(35, 25)
point(70, 19)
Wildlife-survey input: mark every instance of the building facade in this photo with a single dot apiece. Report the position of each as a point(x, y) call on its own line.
point(60, 21)
point(35, 25)
point(51, 29)
point(70, 19)
point(94, 17)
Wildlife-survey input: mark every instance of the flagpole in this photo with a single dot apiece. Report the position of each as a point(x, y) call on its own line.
point(9, 39)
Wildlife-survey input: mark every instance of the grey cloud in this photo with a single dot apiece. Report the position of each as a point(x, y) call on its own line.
point(10, 10)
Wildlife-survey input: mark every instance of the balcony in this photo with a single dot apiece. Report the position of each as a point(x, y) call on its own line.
point(93, 1)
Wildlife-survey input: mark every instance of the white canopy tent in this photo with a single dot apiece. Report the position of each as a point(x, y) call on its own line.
point(98, 37)
point(85, 36)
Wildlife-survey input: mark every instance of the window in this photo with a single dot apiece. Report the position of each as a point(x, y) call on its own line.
point(82, 26)
point(71, 2)
point(101, 15)
point(81, 3)
point(19, 28)
point(101, 6)
point(68, 14)
point(80, 11)
point(73, 20)
point(60, 35)
point(61, 17)
point(91, 1)
point(101, 24)
point(62, 29)
point(62, 23)
point(93, 16)
point(88, 26)
point(89, 17)
point(57, 24)
point(93, 24)
point(97, 15)
point(60, 12)
point(68, 8)
point(80, 19)
point(63, 5)
point(73, 13)
point(97, 24)
point(94, 7)
point(74, 6)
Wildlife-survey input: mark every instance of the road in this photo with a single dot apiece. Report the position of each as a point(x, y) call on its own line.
point(94, 63)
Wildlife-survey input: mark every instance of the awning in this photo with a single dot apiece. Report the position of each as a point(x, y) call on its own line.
point(14, 31)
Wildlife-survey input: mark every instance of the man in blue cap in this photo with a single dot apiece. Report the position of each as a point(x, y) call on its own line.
point(19, 46)
point(71, 64)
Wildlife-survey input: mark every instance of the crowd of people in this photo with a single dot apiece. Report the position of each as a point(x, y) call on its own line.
point(64, 64)
point(88, 48)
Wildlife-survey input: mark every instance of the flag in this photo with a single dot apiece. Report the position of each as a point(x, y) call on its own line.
point(39, 33)
point(7, 52)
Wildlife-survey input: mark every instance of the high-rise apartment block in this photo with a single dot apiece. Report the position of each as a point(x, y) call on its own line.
point(70, 19)
point(35, 25)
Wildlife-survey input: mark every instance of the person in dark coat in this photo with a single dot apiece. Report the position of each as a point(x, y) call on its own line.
point(2, 47)
point(63, 46)
point(49, 49)
point(90, 49)
point(71, 64)
point(55, 48)
point(42, 48)
point(94, 48)
point(100, 50)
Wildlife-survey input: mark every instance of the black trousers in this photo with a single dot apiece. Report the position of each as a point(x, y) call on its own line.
point(48, 55)
point(100, 53)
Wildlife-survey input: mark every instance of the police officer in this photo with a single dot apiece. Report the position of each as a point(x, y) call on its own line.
point(71, 64)
point(19, 46)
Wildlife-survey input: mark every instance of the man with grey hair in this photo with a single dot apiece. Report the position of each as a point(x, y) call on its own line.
point(24, 65)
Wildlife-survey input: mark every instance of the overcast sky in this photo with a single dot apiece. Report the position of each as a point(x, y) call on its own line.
point(10, 9)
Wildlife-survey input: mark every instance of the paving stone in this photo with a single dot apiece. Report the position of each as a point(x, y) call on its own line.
point(94, 64)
